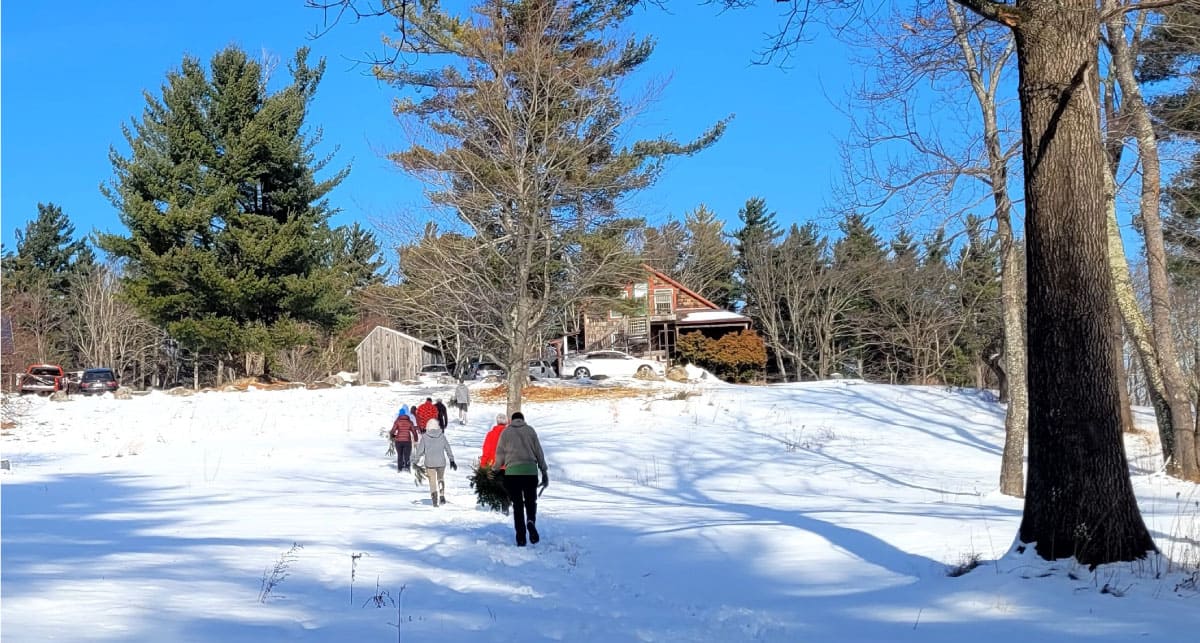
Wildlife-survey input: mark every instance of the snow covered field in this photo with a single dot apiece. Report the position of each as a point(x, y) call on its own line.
point(805, 512)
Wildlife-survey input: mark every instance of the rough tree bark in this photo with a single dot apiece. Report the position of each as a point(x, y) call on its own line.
point(1079, 500)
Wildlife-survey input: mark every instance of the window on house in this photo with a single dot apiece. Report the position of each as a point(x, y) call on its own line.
point(638, 328)
point(662, 301)
point(640, 295)
point(616, 314)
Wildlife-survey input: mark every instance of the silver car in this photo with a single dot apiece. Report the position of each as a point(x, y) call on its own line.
point(541, 369)
point(433, 373)
point(484, 370)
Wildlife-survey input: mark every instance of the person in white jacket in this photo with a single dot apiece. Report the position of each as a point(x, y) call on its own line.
point(434, 448)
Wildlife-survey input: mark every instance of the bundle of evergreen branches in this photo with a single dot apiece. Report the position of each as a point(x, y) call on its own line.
point(418, 475)
point(489, 491)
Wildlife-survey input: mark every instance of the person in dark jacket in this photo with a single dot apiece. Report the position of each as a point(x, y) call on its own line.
point(443, 416)
point(404, 434)
point(519, 455)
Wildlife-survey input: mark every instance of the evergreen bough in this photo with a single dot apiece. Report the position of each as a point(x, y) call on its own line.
point(489, 490)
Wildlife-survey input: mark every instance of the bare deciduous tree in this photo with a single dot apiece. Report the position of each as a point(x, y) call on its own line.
point(517, 137)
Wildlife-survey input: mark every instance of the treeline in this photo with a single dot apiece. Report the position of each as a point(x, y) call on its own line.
point(849, 302)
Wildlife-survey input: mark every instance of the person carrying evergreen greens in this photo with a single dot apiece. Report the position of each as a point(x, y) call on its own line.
point(519, 455)
point(435, 449)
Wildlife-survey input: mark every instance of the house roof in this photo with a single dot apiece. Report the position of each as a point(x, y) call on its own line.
point(695, 295)
point(396, 332)
point(712, 317)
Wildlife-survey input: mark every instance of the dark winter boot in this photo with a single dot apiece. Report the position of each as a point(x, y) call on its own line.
point(435, 500)
point(442, 500)
point(533, 534)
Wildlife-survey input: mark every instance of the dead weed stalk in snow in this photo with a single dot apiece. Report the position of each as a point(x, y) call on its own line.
point(966, 562)
point(274, 575)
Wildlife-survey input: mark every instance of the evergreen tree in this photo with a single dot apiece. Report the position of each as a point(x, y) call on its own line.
point(357, 253)
point(228, 242)
point(663, 247)
point(860, 256)
point(48, 252)
point(977, 281)
point(709, 261)
point(1171, 58)
point(937, 248)
point(860, 244)
point(753, 243)
point(904, 248)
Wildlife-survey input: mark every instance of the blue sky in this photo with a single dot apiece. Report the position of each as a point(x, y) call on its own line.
point(74, 71)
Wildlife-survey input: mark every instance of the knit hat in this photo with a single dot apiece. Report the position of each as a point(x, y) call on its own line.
point(432, 424)
point(501, 418)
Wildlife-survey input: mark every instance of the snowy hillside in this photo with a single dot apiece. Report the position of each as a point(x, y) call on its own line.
point(808, 512)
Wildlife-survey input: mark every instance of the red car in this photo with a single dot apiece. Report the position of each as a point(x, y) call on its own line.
point(42, 379)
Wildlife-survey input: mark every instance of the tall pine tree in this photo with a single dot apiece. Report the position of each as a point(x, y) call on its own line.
point(48, 252)
point(1172, 60)
point(229, 243)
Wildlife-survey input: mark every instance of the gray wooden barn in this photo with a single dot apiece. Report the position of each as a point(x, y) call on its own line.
point(387, 355)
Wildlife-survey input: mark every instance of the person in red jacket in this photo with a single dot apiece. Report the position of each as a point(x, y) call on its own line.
point(404, 434)
point(425, 413)
point(491, 440)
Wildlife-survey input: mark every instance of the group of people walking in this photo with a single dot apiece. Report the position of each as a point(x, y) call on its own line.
point(511, 450)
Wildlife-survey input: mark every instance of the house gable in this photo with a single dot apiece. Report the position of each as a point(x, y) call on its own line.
point(669, 306)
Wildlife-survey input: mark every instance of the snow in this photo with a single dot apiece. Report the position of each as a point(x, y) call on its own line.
point(709, 316)
point(799, 512)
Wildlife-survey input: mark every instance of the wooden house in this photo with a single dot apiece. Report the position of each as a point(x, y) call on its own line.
point(387, 355)
point(663, 308)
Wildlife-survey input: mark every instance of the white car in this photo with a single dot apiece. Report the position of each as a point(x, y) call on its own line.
point(433, 373)
point(609, 364)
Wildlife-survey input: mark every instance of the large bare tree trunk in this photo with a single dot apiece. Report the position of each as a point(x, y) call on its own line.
point(1183, 461)
point(1079, 500)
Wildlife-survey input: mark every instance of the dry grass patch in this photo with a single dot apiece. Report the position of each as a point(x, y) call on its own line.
point(559, 393)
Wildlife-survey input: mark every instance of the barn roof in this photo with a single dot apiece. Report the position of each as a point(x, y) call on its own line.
point(395, 332)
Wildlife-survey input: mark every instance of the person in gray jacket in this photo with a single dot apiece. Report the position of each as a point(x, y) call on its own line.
point(436, 450)
point(461, 400)
point(519, 455)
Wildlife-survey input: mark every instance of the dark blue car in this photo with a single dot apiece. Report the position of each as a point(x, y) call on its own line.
point(98, 380)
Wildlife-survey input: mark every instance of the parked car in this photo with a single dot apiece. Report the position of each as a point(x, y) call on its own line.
point(540, 369)
point(97, 380)
point(482, 370)
point(609, 364)
point(42, 379)
point(433, 373)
